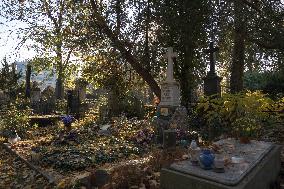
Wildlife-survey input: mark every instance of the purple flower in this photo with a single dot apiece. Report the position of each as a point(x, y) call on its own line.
point(67, 119)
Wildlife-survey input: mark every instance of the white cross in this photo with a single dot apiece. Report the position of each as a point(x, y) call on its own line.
point(170, 70)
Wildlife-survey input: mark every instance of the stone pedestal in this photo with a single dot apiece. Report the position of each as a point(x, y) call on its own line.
point(170, 100)
point(212, 84)
point(170, 94)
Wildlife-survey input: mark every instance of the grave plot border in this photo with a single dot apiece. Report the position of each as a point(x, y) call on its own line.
point(47, 176)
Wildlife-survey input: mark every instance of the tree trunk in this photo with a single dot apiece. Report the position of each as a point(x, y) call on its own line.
point(186, 73)
point(186, 81)
point(237, 72)
point(125, 51)
point(59, 90)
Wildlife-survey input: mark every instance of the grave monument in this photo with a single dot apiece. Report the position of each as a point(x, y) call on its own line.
point(212, 80)
point(170, 101)
point(28, 81)
point(35, 95)
point(73, 103)
point(170, 92)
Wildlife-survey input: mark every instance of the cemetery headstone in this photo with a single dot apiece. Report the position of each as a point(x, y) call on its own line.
point(170, 100)
point(73, 103)
point(180, 117)
point(47, 100)
point(35, 95)
point(212, 80)
point(28, 81)
point(170, 93)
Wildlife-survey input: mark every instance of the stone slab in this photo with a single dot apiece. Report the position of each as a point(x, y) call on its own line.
point(262, 176)
point(234, 173)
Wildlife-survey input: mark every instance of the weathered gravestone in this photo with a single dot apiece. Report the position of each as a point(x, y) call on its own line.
point(47, 100)
point(35, 95)
point(259, 168)
point(169, 139)
point(73, 103)
point(180, 118)
point(170, 100)
point(28, 81)
point(170, 90)
point(212, 80)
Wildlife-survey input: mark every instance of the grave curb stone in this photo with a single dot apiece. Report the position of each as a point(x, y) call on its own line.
point(47, 176)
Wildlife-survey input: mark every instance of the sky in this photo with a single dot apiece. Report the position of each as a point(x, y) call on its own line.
point(9, 41)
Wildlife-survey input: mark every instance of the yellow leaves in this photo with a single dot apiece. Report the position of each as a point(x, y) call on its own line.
point(242, 109)
point(206, 106)
point(62, 184)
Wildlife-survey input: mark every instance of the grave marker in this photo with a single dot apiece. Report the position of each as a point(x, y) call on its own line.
point(170, 90)
point(35, 95)
point(212, 80)
point(170, 100)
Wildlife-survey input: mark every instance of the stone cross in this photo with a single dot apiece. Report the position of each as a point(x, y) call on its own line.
point(170, 55)
point(212, 51)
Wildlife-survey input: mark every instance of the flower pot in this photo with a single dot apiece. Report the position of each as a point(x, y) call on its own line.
point(219, 164)
point(206, 159)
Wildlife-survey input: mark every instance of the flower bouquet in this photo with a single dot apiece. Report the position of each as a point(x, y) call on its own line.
point(67, 121)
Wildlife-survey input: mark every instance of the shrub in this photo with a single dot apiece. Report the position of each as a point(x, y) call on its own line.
point(15, 118)
point(88, 121)
point(237, 114)
point(132, 106)
point(61, 106)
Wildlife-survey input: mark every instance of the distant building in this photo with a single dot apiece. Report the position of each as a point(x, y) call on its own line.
point(44, 78)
